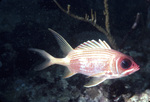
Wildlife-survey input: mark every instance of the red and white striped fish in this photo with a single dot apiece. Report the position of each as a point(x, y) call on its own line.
point(92, 58)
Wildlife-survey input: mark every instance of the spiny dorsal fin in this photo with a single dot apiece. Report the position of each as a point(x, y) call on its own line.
point(93, 44)
point(64, 45)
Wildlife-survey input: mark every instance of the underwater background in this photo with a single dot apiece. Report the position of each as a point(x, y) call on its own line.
point(24, 24)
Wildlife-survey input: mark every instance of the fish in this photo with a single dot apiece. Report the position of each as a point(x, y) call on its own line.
point(95, 59)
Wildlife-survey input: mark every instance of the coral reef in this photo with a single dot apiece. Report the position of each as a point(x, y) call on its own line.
point(23, 24)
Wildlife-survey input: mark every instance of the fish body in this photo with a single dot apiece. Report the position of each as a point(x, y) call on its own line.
point(92, 58)
point(95, 61)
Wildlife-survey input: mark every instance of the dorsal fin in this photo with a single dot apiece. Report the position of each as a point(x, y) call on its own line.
point(93, 44)
point(64, 45)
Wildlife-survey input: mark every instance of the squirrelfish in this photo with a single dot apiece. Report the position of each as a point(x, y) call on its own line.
point(93, 58)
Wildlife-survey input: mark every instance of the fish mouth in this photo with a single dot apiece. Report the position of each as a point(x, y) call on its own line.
point(137, 68)
point(131, 71)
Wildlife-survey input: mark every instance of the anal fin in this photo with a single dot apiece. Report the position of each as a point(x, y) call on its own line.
point(95, 81)
point(68, 73)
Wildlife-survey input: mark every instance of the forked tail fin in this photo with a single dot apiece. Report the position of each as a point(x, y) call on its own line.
point(49, 60)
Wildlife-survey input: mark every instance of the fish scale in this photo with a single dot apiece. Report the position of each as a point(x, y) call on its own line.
point(92, 62)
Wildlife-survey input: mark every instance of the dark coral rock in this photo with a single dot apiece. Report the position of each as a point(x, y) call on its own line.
point(116, 90)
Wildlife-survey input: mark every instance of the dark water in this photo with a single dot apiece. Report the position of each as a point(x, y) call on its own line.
point(24, 24)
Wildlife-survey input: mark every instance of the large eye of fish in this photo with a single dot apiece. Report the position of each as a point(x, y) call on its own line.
point(126, 63)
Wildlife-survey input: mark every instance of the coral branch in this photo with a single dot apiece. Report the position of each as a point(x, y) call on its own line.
point(134, 26)
point(106, 13)
point(136, 21)
point(93, 20)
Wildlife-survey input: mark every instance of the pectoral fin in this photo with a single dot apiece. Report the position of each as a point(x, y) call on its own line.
point(95, 81)
point(97, 75)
